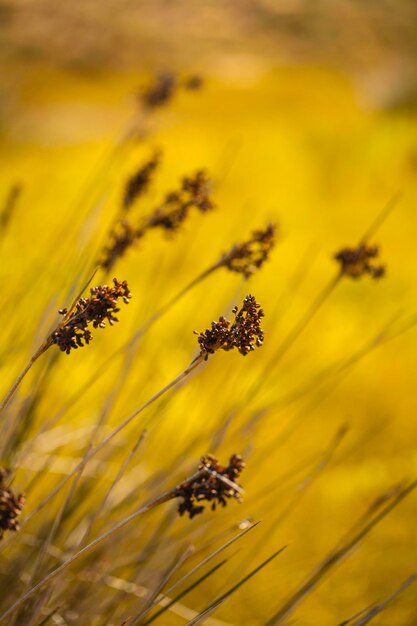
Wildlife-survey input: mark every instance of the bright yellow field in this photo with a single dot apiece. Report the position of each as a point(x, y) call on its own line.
point(296, 146)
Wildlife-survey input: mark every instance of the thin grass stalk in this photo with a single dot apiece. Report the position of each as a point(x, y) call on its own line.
point(168, 603)
point(35, 356)
point(164, 598)
point(43, 348)
point(215, 605)
point(211, 556)
point(165, 578)
point(109, 491)
point(151, 504)
point(317, 304)
point(367, 615)
point(128, 347)
point(336, 557)
point(46, 544)
point(332, 377)
point(173, 383)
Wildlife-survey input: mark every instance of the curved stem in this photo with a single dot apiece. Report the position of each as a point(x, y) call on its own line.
point(21, 376)
point(175, 381)
point(165, 307)
point(165, 497)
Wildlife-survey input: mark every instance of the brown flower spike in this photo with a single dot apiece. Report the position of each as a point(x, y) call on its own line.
point(164, 88)
point(11, 505)
point(245, 333)
point(249, 256)
point(216, 484)
point(356, 262)
point(122, 237)
point(193, 193)
point(139, 182)
point(101, 306)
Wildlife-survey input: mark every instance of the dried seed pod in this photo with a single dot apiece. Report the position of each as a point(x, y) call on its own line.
point(160, 92)
point(356, 262)
point(193, 193)
point(139, 182)
point(249, 256)
point(165, 86)
point(244, 333)
point(11, 505)
point(122, 237)
point(216, 484)
point(101, 306)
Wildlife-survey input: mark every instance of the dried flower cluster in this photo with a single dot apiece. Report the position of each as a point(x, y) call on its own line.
point(194, 192)
point(249, 256)
point(122, 237)
point(164, 88)
point(216, 484)
point(101, 306)
point(245, 333)
point(139, 182)
point(11, 505)
point(355, 262)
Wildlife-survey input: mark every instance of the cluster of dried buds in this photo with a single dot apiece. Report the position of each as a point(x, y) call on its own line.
point(102, 305)
point(244, 333)
point(214, 483)
point(139, 182)
point(249, 256)
point(165, 87)
point(356, 262)
point(194, 192)
point(11, 505)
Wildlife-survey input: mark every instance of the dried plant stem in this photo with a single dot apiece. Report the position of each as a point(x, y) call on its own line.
point(43, 348)
point(47, 543)
point(96, 512)
point(368, 614)
point(380, 218)
point(214, 605)
point(165, 497)
point(292, 336)
point(168, 305)
point(296, 331)
point(337, 556)
point(173, 383)
point(314, 308)
point(128, 346)
point(35, 356)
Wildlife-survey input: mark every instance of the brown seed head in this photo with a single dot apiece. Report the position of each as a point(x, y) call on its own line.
point(355, 262)
point(101, 306)
point(139, 182)
point(244, 333)
point(249, 256)
point(216, 484)
point(194, 82)
point(160, 92)
point(122, 237)
point(193, 193)
point(11, 505)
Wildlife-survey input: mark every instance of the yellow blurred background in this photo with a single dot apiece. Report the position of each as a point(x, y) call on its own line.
point(310, 126)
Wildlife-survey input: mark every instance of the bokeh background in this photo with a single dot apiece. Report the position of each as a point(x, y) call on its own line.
point(306, 117)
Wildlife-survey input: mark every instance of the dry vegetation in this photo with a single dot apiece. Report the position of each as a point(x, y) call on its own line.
point(146, 476)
